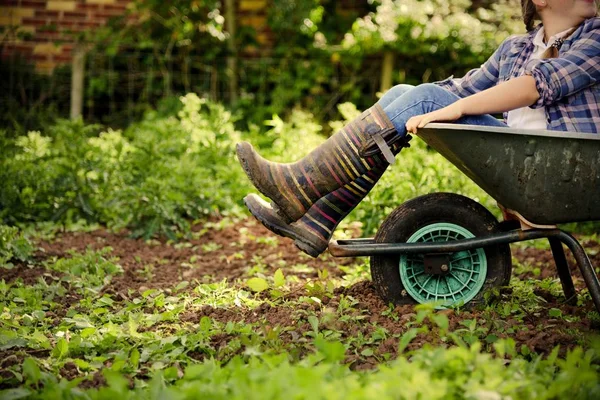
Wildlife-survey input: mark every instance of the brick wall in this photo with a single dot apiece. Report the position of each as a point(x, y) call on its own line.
point(50, 25)
point(253, 13)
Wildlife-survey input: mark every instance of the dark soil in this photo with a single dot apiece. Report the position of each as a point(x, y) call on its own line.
point(228, 253)
point(11, 357)
point(29, 275)
point(544, 261)
point(237, 250)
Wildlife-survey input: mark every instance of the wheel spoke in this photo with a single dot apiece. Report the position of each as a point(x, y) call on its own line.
point(426, 281)
point(463, 269)
point(418, 273)
point(456, 277)
point(452, 294)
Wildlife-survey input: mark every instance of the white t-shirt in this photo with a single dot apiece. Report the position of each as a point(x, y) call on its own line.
point(526, 117)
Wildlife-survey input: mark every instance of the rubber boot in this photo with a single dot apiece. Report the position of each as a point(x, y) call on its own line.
point(295, 187)
point(313, 230)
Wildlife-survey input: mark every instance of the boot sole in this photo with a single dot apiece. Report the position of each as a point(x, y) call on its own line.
point(243, 157)
point(280, 229)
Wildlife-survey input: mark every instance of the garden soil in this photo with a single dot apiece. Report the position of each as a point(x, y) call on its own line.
point(228, 253)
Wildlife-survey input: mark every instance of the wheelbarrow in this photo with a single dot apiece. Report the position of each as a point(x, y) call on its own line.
point(449, 249)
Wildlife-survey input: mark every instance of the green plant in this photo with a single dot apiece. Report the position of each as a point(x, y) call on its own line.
point(92, 267)
point(277, 288)
point(13, 246)
point(152, 178)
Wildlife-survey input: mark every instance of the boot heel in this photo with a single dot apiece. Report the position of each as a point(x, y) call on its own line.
point(303, 239)
point(307, 248)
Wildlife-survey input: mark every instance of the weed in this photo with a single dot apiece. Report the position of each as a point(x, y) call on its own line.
point(210, 246)
point(13, 246)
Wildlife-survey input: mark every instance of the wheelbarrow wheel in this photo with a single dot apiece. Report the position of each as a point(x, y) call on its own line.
point(440, 217)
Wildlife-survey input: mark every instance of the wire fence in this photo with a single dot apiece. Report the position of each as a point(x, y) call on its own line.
point(119, 89)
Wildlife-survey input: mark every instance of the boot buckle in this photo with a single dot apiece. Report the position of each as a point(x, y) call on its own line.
point(377, 137)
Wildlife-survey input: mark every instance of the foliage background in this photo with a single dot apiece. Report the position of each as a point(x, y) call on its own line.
point(172, 160)
point(319, 55)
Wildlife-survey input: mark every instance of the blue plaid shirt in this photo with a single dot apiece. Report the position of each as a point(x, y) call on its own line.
point(569, 85)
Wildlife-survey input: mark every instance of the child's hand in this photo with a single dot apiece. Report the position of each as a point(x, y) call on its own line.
point(449, 113)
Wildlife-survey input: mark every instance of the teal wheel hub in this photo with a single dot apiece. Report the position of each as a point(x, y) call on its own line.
point(466, 273)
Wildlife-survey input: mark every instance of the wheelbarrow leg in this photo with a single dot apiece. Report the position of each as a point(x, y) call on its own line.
point(563, 270)
point(585, 266)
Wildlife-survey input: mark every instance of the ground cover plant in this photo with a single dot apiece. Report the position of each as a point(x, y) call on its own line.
point(234, 312)
point(160, 174)
point(129, 269)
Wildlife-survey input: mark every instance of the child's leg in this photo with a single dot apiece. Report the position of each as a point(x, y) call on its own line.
point(315, 226)
point(427, 98)
point(295, 187)
point(324, 216)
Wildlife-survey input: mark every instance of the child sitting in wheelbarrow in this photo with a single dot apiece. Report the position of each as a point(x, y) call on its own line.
point(545, 79)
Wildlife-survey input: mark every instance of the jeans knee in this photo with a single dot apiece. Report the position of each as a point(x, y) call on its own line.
point(433, 93)
point(400, 89)
point(429, 88)
point(394, 93)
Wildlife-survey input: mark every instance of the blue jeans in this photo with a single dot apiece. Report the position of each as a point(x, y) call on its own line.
point(402, 102)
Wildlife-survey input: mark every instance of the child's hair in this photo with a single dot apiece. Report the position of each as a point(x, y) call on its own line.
point(529, 14)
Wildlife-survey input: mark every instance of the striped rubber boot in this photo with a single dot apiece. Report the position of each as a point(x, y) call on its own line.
point(295, 187)
point(325, 215)
point(312, 232)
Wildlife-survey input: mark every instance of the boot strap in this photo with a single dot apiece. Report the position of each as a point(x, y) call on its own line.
point(381, 141)
point(385, 149)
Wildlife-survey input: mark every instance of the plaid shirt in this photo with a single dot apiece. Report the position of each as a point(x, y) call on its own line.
point(569, 85)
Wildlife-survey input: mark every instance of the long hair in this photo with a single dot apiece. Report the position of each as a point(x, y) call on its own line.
point(529, 13)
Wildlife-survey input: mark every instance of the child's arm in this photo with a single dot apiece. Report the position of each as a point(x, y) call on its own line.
point(512, 94)
point(577, 68)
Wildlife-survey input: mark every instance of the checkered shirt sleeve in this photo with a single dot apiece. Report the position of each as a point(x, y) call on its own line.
point(477, 79)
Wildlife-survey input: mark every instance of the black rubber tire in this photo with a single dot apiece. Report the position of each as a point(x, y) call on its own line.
point(429, 209)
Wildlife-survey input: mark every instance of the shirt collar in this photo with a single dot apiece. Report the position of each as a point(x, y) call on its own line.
point(538, 39)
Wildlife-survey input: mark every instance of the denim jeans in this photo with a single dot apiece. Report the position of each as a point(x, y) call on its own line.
point(402, 102)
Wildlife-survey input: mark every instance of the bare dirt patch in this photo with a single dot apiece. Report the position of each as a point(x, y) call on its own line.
point(29, 275)
point(218, 254)
point(543, 260)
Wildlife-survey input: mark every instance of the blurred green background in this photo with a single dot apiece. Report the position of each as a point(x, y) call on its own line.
point(170, 87)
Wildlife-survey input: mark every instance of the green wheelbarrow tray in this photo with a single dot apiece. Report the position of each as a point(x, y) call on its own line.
point(539, 178)
point(548, 177)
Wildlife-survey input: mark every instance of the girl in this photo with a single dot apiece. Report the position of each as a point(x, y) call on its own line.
point(546, 79)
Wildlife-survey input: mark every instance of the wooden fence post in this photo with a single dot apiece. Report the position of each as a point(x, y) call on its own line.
point(386, 71)
point(77, 76)
point(232, 62)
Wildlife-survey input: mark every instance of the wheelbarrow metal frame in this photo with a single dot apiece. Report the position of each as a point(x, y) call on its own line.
point(556, 237)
